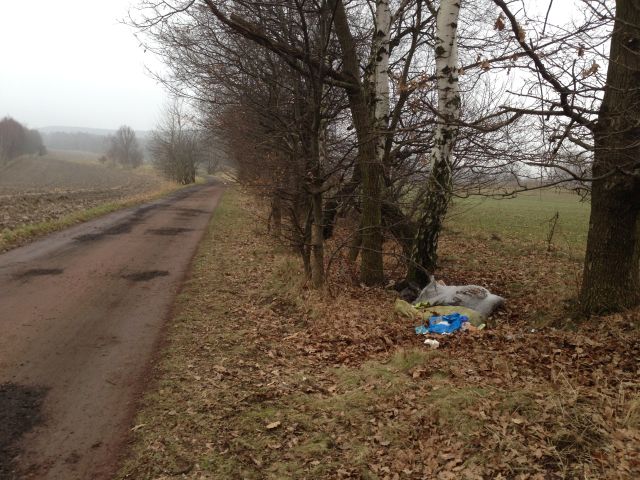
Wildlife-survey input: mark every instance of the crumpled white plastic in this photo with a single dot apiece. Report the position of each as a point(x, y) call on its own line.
point(474, 297)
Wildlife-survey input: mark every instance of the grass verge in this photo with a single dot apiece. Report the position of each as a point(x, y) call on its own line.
point(527, 219)
point(263, 379)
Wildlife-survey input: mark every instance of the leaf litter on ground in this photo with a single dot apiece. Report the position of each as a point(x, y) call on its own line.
point(262, 377)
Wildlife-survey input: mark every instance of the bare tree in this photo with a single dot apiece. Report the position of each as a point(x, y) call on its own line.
point(391, 158)
point(176, 145)
point(611, 278)
point(124, 148)
point(588, 121)
point(16, 140)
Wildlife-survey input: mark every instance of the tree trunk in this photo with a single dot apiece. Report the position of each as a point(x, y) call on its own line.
point(611, 280)
point(381, 77)
point(371, 266)
point(276, 215)
point(354, 246)
point(436, 202)
point(306, 246)
point(317, 242)
point(424, 255)
point(317, 229)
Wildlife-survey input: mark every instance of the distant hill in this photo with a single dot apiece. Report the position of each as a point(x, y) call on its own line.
point(83, 139)
point(67, 129)
point(88, 130)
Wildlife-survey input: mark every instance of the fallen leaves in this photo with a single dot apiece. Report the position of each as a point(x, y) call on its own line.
point(296, 385)
point(273, 425)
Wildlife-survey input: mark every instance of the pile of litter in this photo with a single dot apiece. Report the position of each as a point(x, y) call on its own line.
point(444, 309)
point(443, 324)
point(470, 296)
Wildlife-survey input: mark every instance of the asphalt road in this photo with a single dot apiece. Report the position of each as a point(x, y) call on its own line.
point(81, 314)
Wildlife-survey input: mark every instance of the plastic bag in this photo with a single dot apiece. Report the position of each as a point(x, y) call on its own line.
point(470, 296)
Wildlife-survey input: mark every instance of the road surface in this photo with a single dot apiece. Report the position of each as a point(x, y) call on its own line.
point(81, 313)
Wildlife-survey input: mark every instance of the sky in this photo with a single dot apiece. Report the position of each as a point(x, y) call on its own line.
point(72, 63)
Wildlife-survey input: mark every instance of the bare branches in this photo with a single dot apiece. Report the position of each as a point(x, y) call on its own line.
point(562, 90)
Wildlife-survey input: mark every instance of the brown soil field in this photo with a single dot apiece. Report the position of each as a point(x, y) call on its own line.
point(41, 189)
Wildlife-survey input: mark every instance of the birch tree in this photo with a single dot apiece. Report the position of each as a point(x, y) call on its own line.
point(367, 48)
point(440, 185)
point(380, 62)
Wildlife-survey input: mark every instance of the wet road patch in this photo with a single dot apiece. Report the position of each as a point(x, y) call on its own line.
point(38, 272)
point(168, 231)
point(123, 227)
point(145, 275)
point(118, 229)
point(88, 237)
point(190, 212)
point(20, 411)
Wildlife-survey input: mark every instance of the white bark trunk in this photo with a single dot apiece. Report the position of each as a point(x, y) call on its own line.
point(446, 49)
point(436, 202)
point(381, 74)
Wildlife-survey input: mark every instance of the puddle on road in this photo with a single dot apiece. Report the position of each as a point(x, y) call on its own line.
point(145, 276)
point(120, 228)
point(20, 411)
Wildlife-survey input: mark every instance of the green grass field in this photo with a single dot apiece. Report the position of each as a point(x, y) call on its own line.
point(526, 218)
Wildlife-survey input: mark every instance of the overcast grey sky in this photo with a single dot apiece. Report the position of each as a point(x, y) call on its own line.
point(70, 62)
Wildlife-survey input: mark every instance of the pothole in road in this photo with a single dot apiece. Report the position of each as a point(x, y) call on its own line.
point(190, 212)
point(169, 231)
point(145, 276)
point(20, 412)
point(88, 237)
point(122, 227)
point(118, 229)
point(38, 272)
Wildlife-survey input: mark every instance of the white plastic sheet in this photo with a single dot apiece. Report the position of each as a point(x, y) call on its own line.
point(471, 296)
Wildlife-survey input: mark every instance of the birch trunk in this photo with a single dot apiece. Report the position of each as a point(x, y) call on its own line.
point(317, 231)
point(381, 76)
point(436, 202)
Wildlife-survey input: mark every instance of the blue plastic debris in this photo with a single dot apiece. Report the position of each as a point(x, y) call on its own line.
point(443, 324)
point(421, 330)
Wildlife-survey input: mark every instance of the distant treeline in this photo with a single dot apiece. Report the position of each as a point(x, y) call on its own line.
point(16, 140)
point(85, 142)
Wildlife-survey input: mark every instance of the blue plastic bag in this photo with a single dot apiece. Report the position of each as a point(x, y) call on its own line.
point(421, 330)
point(443, 325)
